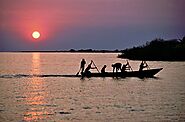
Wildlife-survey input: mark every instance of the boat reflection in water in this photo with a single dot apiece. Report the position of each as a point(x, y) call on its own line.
point(35, 94)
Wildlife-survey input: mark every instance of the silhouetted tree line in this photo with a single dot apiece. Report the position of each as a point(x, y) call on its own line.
point(73, 51)
point(158, 49)
point(91, 50)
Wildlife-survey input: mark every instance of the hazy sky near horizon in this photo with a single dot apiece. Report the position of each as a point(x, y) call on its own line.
point(97, 24)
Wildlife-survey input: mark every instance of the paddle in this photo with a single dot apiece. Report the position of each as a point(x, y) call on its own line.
point(95, 66)
point(146, 65)
point(78, 72)
point(129, 65)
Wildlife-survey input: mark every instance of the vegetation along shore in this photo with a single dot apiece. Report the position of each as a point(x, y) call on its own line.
point(157, 50)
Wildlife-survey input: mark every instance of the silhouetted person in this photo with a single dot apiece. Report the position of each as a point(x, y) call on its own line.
point(143, 65)
point(82, 65)
point(116, 66)
point(124, 67)
point(103, 69)
point(87, 70)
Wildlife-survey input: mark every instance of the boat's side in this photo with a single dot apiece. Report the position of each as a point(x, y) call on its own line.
point(141, 74)
point(144, 73)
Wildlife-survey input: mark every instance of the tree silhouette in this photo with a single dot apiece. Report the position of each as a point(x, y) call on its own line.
point(157, 49)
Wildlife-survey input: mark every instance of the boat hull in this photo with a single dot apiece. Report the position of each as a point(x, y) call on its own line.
point(141, 74)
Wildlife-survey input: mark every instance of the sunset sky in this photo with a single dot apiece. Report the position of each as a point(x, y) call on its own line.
point(82, 24)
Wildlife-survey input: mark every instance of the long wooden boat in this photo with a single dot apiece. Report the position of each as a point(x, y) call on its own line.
point(140, 74)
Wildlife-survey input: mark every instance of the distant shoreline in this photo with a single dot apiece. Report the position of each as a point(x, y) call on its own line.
point(68, 51)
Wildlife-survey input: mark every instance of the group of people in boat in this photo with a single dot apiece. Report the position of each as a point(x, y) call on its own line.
point(115, 66)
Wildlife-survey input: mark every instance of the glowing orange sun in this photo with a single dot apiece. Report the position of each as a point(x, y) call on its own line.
point(35, 34)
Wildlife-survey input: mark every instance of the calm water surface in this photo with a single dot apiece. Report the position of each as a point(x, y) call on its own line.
point(61, 99)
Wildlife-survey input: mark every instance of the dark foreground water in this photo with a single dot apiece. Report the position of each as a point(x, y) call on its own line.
point(24, 98)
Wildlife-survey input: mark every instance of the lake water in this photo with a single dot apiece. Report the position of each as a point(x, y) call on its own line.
point(61, 99)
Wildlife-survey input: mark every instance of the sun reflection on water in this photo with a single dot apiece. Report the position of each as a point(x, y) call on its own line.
point(35, 63)
point(36, 93)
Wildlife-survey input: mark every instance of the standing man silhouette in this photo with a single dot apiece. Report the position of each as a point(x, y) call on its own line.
point(82, 65)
